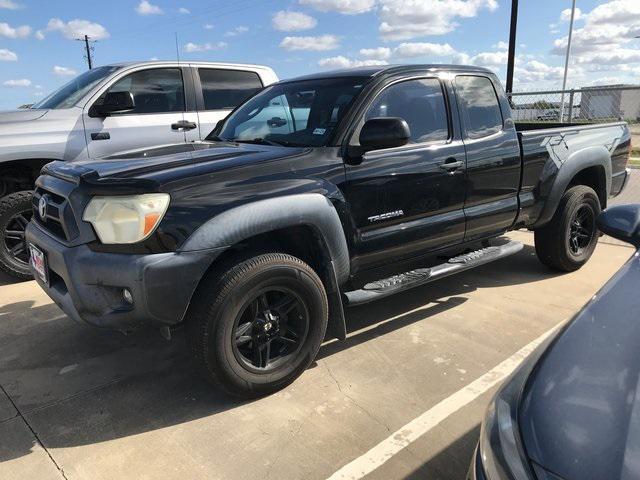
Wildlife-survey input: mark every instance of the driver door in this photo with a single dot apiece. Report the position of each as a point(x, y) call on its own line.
point(157, 119)
point(408, 200)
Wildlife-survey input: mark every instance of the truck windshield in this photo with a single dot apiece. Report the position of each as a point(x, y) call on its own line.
point(300, 114)
point(69, 94)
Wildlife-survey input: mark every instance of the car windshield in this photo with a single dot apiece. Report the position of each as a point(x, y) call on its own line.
point(69, 94)
point(303, 113)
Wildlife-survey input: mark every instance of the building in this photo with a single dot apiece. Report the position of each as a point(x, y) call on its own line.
point(610, 101)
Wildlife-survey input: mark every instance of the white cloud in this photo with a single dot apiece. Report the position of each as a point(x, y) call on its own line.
point(380, 53)
point(8, 31)
point(208, 26)
point(147, 8)
point(64, 71)
point(236, 31)
point(490, 59)
point(344, 62)
point(320, 43)
point(78, 28)
point(288, 21)
point(423, 49)
point(9, 5)
point(565, 15)
point(7, 55)
point(204, 47)
point(184, 11)
point(406, 19)
point(347, 7)
point(535, 71)
point(22, 82)
point(603, 39)
point(501, 45)
point(39, 35)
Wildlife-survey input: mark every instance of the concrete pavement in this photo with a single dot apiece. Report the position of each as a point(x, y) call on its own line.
point(80, 403)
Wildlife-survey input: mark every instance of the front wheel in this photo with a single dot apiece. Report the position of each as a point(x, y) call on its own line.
point(257, 326)
point(15, 213)
point(567, 242)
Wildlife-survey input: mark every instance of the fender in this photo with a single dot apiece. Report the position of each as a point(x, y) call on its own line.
point(597, 156)
point(311, 209)
point(245, 221)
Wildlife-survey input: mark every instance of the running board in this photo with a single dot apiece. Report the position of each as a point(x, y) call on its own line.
point(421, 276)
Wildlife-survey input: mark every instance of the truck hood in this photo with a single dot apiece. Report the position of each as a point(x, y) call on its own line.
point(580, 415)
point(154, 166)
point(26, 115)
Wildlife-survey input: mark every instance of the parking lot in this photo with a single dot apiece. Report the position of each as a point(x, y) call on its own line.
point(80, 403)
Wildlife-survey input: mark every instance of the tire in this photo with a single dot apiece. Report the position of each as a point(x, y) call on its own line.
point(561, 244)
point(272, 299)
point(15, 212)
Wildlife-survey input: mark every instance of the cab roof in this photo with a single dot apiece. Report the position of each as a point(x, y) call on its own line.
point(377, 70)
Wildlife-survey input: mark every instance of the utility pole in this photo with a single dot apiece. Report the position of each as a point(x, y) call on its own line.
point(512, 45)
point(566, 61)
point(88, 49)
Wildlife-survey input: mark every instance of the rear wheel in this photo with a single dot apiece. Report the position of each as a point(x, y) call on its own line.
point(15, 213)
point(256, 327)
point(567, 242)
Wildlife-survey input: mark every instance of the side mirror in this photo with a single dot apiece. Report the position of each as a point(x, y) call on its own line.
point(114, 102)
point(621, 222)
point(385, 132)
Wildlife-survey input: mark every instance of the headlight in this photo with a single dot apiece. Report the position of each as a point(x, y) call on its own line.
point(126, 219)
point(501, 450)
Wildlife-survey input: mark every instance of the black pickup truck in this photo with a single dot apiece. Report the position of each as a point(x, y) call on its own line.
point(320, 192)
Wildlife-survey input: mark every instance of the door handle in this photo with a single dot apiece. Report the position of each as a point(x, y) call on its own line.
point(100, 136)
point(183, 125)
point(451, 164)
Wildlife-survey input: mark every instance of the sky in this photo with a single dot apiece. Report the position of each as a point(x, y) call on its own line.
point(39, 53)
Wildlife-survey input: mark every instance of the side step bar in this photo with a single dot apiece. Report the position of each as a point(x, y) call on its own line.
point(421, 276)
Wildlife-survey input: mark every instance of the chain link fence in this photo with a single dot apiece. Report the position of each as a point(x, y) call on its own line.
point(588, 105)
point(584, 105)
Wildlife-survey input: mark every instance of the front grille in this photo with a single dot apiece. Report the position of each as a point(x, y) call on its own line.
point(59, 219)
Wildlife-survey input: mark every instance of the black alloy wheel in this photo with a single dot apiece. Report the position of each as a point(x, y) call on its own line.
point(270, 329)
point(15, 214)
point(582, 229)
point(14, 241)
point(255, 324)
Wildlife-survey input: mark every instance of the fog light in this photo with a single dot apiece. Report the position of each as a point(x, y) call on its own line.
point(126, 294)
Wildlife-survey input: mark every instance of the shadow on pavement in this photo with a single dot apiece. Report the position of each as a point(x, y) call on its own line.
point(449, 463)
point(77, 385)
point(9, 280)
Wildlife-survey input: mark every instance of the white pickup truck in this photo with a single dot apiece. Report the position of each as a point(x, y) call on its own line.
point(104, 111)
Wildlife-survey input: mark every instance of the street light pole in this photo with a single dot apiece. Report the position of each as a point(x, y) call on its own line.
point(512, 45)
point(566, 60)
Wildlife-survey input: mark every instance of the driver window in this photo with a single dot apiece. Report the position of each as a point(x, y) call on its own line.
point(159, 90)
point(420, 103)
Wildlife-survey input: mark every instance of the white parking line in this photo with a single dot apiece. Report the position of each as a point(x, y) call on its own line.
point(421, 425)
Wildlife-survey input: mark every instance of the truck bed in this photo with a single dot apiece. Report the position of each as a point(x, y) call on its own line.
point(551, 151)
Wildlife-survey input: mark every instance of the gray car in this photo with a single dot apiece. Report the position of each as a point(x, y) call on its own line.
point(572, 410)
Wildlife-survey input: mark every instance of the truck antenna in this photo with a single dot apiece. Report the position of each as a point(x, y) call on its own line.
point(177, 48)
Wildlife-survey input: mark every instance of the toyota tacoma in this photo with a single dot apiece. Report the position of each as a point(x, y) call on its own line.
point(317, 193)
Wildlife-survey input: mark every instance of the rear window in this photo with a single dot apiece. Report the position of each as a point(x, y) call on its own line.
point(480, 107)
point(225, 89)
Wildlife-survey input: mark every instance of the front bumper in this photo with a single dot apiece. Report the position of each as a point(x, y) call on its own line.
point(88, 285)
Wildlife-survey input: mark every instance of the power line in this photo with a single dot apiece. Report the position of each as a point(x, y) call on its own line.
point(88, 49)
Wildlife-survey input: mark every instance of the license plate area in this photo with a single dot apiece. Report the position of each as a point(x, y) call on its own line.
point(39, 263)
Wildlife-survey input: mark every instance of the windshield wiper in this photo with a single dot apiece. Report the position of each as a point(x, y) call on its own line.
point(262, 141)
